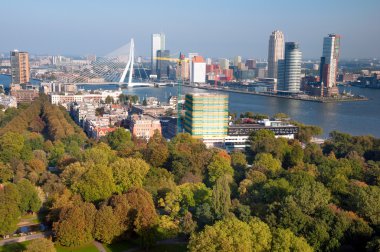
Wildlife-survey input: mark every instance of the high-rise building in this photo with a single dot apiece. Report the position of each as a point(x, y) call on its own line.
point(289, 69)
point(162, 66)
point(275, 52)
point(250, 63)
point(158, 43)
point(329, 62)
point(20, 69)
point(237, 60)
point(224, 64)
point(198, 70)
point(206, 115)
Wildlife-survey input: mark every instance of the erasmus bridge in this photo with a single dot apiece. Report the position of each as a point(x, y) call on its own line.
point(117, 67)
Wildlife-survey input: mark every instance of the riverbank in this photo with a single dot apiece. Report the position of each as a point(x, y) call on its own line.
point(310, 98)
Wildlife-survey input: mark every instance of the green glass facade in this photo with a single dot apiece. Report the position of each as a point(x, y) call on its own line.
point(206, 115)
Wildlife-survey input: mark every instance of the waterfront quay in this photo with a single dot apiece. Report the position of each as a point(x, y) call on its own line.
point(301, 98)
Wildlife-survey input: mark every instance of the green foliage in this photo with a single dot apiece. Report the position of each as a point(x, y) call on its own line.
point(40, 245)
point(285, 240)
point(107, 225)
point(11, 145)
point(119, 139)
point(9, 209)
point(29, 196)
point(220, 166)
point(128, 173)
point(306, 132)
point(221, 196)
point(366, 202)
point(264, 141)
point(6, 173)
point(267, 164)
point(157, 151)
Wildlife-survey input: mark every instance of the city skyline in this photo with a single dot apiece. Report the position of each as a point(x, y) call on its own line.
point(52, 28)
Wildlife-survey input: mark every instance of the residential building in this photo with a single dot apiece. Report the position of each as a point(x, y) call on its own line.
point(289, 69)
point(206, 116)
point(24, 93)
point(275, 52)
point(20, 69)
point(144, 126)
point(329, 63)
point(198, 70)
point(158, 43)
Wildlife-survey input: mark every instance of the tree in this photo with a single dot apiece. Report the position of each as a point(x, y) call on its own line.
point(239, 163)
point(220, 165)
point(261, 235)
point(29, 196)
point(109, 100)
point(119, 139)
point(285, 241)
point(37, 165)
point(306, 132)
point(225, 235)
point(264, 141)
point(267, 164)
point(100, 154)
point(6, 173)
point(9, 209)
point(107, 225)
point(129, 172)
point(40, 245)
point(158, 180)
point(281, 116)
point(96, 183)
point(75, 225)
point(157, 151)
point(366, 202)
point(221, 196)
point(11, 145)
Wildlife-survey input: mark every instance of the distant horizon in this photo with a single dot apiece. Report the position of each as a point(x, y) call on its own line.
point(215, 29)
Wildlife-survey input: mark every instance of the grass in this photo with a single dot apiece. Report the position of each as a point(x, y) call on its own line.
point(85, 248)
point(167, 248)
point(119, 246)
point(14, 247)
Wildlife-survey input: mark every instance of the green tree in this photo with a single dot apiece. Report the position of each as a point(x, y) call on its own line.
point(267, 164)
point(264, 141)
point(6, 173)
point(366, 202)
point(100, 154)
point(157, 151)
point(96, 183)
point(261, 237)
point(109, 100)
point(107, 225)
point(221, 196)
point(220, 165)
point(239, 164)
point(159, 180)
point(119, 139)
point(75, 225)
point(40, 245)
point(29, 196)
point(225, 235)
point(11, 145)
point(129, 172)
point(9, 209)
point(285, 241)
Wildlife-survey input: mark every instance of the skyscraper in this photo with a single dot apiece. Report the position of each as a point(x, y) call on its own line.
point(329, 62)
point(198, 70)
point(275, 52)
point(206, 115)
point(162, 66)
point(289, 69)
point(158, 43)
point(20, 69)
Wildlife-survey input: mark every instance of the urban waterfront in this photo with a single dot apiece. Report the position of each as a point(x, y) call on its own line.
point(357, 118)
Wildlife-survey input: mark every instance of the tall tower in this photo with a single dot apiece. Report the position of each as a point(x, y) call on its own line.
point(289, 69)
point(20, 69)
point(158, 43)
point(329, 62)
point(275, 52)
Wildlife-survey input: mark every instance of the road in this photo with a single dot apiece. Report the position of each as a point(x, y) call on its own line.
point(25, 238)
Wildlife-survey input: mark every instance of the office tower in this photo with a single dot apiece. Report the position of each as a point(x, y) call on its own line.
point(20, 69)
point(275, 52)
point(208, 61)
point(329, 62)
point(224, 64)
point(206, 115)
point(289, 69)
point(158, 43)
point(198, 70)
point(191, 56)
point(162, 66)
point(250, 63)
point(237, 60)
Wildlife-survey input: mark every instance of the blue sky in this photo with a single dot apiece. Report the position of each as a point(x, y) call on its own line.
point(214, 28)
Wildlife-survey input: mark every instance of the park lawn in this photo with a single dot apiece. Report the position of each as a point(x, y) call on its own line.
point(119, 246)
point(14, 247)
point(85, 248)
point(167, 248)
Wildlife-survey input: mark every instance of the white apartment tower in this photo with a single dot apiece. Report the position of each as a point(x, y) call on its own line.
point(275, 52)
point(158, 43)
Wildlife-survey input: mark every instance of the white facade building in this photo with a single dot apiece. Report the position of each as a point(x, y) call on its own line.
point(275, 52)
point(224, 64)
point(198, 70)
point(158, 43)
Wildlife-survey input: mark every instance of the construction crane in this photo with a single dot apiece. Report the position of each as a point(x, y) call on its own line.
point(179, 62)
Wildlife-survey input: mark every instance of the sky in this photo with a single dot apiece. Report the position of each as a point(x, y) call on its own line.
point(213, 28)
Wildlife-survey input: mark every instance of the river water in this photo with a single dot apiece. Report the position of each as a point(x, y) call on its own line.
point(356, 118)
